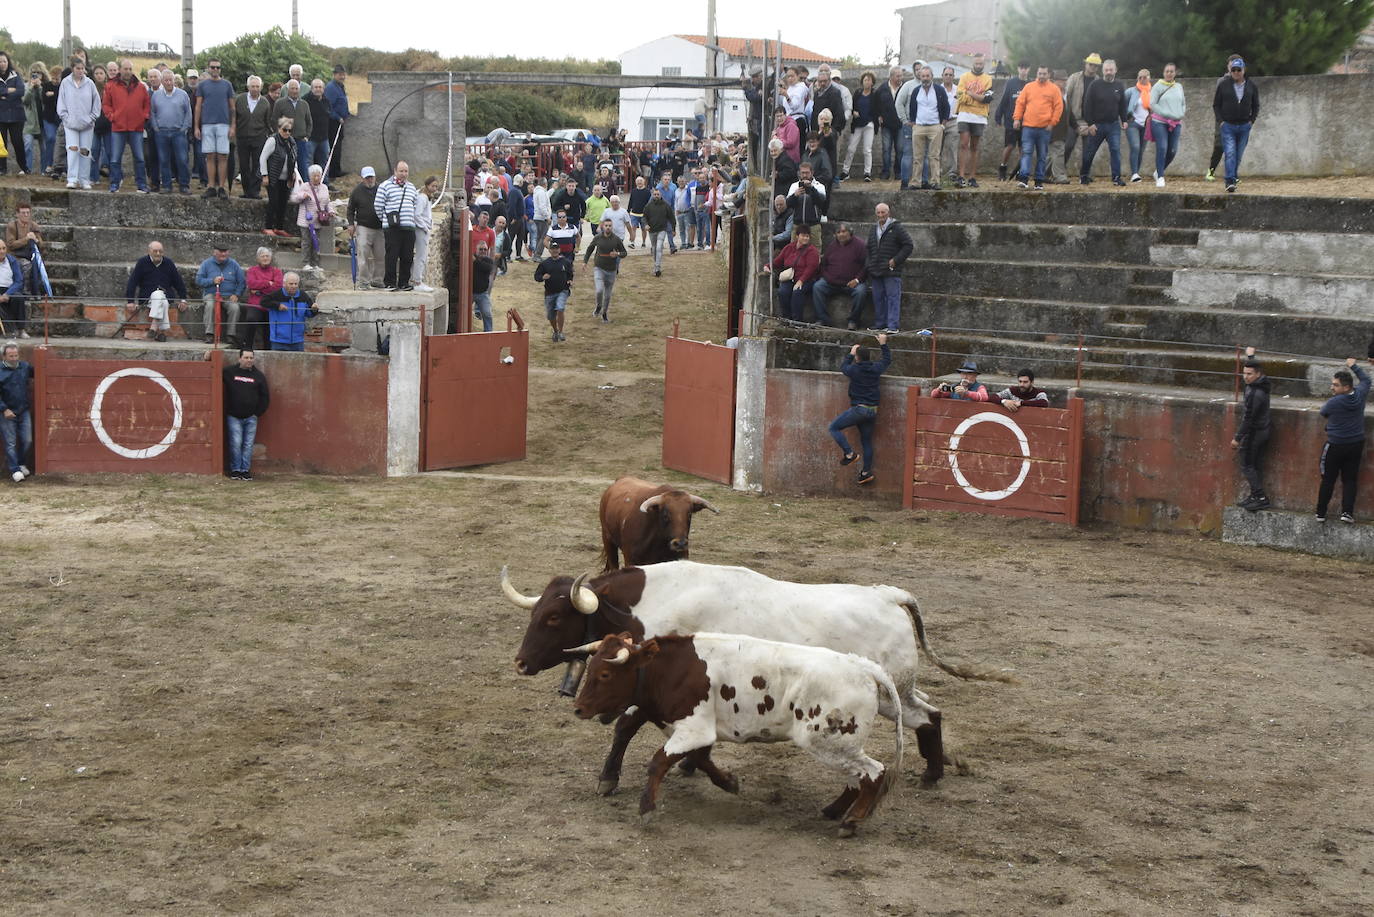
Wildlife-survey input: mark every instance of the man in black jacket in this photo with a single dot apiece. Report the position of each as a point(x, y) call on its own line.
point(1006, 108)
point(889, 122)
point(365, 227)
point(1236, 105)
point(784, 167)
point(864, 390)
point(827, 97)
point(1104, 111)
point(1252, 436)
point(245, 400)
point(889, 245)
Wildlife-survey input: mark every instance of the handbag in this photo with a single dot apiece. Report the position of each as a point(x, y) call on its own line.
point(786, 275)
point(102, 125)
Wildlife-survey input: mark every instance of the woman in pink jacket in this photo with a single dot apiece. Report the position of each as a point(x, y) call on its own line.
point(314, 212)
point(262, 278)
point(786, 130)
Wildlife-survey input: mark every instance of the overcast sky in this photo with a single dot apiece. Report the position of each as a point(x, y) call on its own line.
point(543, 29)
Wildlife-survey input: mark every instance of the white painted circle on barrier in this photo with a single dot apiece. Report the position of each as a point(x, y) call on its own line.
point(958, 434)
point(98, 422)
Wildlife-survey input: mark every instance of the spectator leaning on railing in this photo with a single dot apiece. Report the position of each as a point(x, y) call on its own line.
point(221, 274)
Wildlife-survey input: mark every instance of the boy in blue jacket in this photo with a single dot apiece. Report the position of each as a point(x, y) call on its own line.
point(864, 375)
point(1344, 413)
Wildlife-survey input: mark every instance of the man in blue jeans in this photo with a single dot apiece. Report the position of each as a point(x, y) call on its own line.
point(16, 419)
point(245, 400)
point(864, 378)
point(1236, 105)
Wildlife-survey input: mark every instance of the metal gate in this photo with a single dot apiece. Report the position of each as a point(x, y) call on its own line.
point(127, 416)
point(474, 389)
point(979, 457)
point(699, 408)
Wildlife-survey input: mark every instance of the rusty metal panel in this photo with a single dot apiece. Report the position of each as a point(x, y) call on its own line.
point(979, 457)
point(129, 417)
point(699, 409)
point(474, 403)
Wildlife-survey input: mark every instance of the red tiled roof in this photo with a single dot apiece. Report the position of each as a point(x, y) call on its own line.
point(735, 47)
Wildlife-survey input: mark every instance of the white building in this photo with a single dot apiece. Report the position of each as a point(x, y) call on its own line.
point(652, 114)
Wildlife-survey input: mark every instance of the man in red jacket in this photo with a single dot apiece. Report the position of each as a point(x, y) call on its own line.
point(126, 106)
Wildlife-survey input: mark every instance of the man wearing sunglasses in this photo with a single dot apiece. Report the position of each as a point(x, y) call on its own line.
point(1236, 105)
point(215, 128)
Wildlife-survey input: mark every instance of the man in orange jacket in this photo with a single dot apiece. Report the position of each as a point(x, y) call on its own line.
point(1038, 110)
point(126, 106)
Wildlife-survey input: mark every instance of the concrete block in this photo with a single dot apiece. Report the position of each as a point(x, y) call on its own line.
point(1298, 532)
point(403, 401)
point(360, 309)
point(751, 387)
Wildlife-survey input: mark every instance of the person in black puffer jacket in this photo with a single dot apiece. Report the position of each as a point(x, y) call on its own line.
point(1252, 436)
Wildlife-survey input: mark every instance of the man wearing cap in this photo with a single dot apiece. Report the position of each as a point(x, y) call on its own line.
point(968, 388)
point(222, 274)
point(252, 126)
point(864, 390)
point(1237, 105)
point(1011, 136)
point(197, 158)
point(1074, 91)
point(753, 94)
point(336, 98)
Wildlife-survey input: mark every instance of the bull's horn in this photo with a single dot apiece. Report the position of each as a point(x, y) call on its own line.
point(650, 503)
point(585, 648)
point(698, 501)
point(522, 601)
point(583, 599)
point(621, 657)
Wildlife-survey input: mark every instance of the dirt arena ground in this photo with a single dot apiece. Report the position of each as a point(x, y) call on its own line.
point(297, 697)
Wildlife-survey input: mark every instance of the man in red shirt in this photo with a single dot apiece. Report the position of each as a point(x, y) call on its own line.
point(483, 233)
point(126, 105)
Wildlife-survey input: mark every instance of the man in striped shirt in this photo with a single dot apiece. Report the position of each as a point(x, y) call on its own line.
point(395, 205)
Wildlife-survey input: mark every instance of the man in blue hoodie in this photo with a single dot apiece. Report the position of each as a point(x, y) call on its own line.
point(1344, 413)
point(16, 420)
point(864, 376)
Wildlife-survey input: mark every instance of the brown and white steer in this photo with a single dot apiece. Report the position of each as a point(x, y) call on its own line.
point(648, 523)
point(706, 688)
point(881, 623)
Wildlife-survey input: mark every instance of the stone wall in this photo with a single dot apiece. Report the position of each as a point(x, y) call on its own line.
point(1308, 126)
point(417, 123)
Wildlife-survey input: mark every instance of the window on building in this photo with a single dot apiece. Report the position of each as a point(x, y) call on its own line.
point(660, 128)
point(672, 71)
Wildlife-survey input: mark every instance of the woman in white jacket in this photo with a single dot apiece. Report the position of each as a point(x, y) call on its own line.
point(78, 105)
point(424, 222)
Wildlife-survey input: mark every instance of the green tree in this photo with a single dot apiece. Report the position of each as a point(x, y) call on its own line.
point(268, 55)
point(1273, 38)
point(513, 109)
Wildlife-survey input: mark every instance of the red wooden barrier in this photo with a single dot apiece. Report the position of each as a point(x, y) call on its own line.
point(473, 404)
point(122, 416)
point(979, 457)
point(699, 409)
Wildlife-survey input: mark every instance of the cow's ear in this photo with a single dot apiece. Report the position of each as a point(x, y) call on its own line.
point(646, 652)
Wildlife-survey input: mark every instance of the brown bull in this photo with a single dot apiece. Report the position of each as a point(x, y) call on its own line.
point(648, 523)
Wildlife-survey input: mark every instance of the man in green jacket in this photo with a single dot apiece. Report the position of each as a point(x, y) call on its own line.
point(658, 216)
point(608, 249)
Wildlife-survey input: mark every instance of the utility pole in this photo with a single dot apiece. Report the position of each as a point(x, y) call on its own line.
point(66, 32)
point(188, 50)
point(295, 18)
point(711, 123)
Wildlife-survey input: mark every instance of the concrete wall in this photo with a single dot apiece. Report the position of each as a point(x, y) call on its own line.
point(1308, 126)
point(953, 22)
point(417, 129)
point(403, 401)
point(328, 413)
point(1149, 461)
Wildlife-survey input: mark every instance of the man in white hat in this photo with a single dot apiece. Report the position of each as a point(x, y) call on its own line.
point(968, 388)
point(366, 228)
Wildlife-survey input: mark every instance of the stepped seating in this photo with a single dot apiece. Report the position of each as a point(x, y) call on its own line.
point(1163, 287)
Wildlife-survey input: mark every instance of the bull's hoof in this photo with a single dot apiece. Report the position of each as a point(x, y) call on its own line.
point(848, 829)
point(930, 778)
point(833, 811)
point(731, 784)
point(686, 767)
point(647, 816)
point(605, 787)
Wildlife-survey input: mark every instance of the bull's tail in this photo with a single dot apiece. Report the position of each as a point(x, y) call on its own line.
point(892, 774)
point(982, 673)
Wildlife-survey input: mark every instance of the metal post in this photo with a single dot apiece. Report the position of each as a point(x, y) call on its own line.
point(1237, 372)
point(217, 313)
point(1078, 380)
point(67, 30)
point(46, 304)
point(934, 337)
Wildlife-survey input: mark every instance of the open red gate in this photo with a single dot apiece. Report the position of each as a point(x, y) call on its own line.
point(128, 416)
point(979, 457)
point(474, 391)
point(699, 408)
